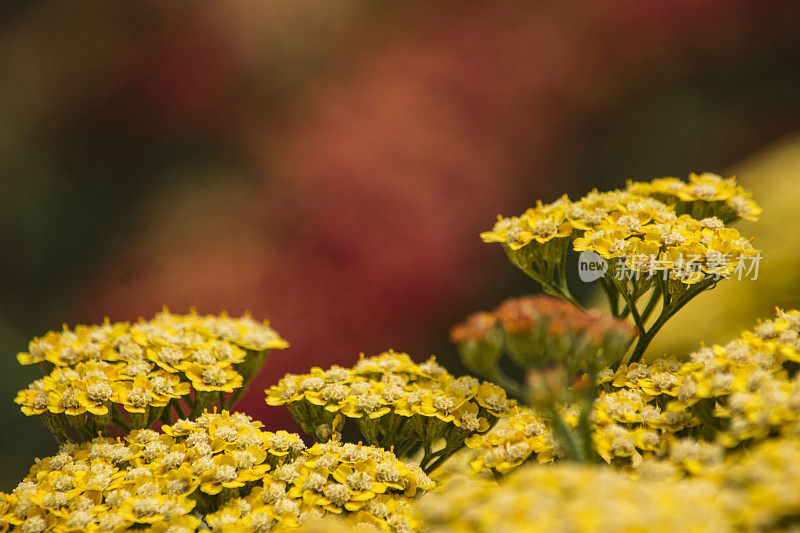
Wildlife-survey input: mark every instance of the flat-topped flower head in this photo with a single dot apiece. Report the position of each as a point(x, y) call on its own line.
point(666, 238)
point(243, 331)
point(394, 402)
point(147, 368)
point(668, 212)
point(704, 194)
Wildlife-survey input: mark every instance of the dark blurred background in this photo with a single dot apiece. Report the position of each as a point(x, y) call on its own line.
point(328, 165)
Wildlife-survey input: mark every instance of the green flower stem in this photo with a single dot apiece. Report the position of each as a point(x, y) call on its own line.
point(81, 425)
point(613, 298)
point(426, 457)
point(671, 306)
point(562, 282)
point(165, 417)
point(178, 409)
point(557, 286)
point(119, 421)
point(548, 403)
point(549, 274)
point(575, 451)
point(403, 449)
point(631, 301)
point(511, 386)
point(57, 424)
point(387, 430)
point(585, 433)
point(437, 463)
point(585, 420)
point(204, 400)
point(438, 459)
point(561, 290)
point(655, 297)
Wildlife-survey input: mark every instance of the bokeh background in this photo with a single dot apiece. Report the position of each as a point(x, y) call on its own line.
point(328, 165)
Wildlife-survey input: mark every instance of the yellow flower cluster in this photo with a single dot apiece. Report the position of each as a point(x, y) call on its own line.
point(397, 404)
point(511, 442)
point(763, 485)
point(667, 239)
point(759, 486)
point(668, 227)
point(568, 498)
point(686, 456)
point(131, 374)
point(744, 391)
point(367, 486)
point(632, 419)
point(704, 195)
point(749, 489)
point(629, 425)
point(231, 449)
point(148, 479)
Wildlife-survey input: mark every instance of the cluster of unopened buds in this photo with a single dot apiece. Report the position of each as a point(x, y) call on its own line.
point(537, 332)
point(129, 375)
point(396, 403)
point(559, 349)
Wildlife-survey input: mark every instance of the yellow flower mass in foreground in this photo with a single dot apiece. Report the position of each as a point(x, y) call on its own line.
point(224, 465)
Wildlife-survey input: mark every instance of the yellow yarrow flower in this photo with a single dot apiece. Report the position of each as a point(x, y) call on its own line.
point(357, 484)
point(146, 369)
point(396, 404)
point(575, 498)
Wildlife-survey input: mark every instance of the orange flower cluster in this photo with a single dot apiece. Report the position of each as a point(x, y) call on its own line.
point(540, 331)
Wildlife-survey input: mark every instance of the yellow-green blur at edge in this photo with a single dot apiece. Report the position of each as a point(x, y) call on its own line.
point(714, 317)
